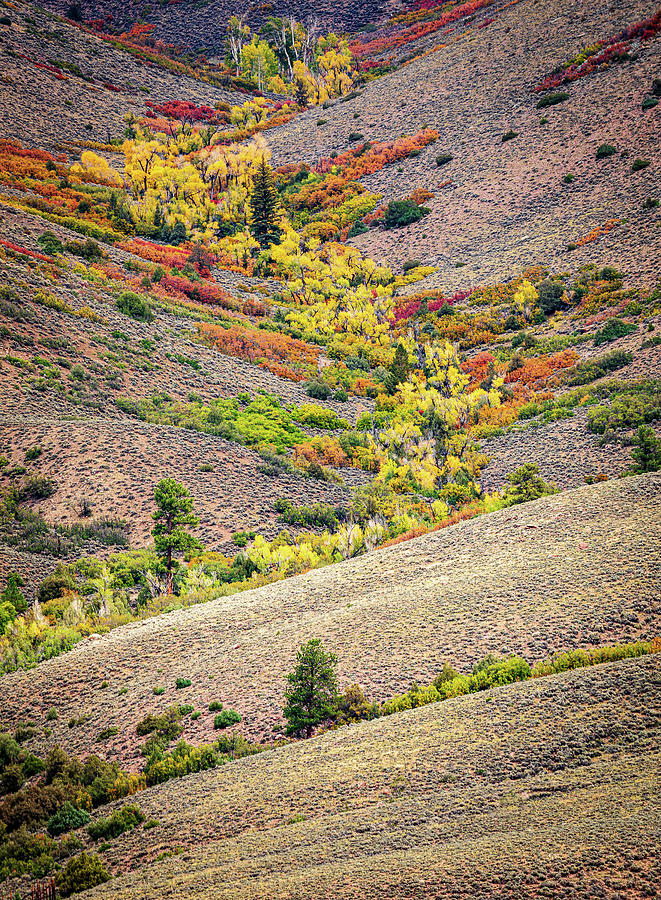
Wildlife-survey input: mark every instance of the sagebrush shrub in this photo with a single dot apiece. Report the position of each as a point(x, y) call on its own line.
point(67, 818)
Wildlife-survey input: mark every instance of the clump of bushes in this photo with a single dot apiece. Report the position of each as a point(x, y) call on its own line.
point(318, 390)
point(443, 159)
point(88, 249)
point(119, 821)
point(226, 718)
point(490, 673)
point(182, 683)
point(163, 729)
point(576, 659)
point(552, 99)
point(550, 296)
point(525, 484)
point(357, 228)
point(399, 213)
point(317, 515)
point(613, 329)
point(67, 818)
point(590, 370)
point(135, 306)
point(81, 873)
point(36, 487)
point(605, 150)
point(639, 164)
point(50, 243)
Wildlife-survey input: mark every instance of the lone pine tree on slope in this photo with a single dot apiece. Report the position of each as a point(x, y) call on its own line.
point(264, 206)
point(174, 509)
point(312, 695)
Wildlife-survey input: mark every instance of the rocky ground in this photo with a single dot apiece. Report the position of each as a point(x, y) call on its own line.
point(576, 569)
point(538, 789)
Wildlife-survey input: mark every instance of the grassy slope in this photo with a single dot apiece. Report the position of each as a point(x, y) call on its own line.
point(537, 789)
point(572, 570)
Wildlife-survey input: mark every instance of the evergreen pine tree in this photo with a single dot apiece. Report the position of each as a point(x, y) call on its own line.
point(264, 206)
point(301, 94)
point(174, 509)
point(399, 369)
point(312, 694)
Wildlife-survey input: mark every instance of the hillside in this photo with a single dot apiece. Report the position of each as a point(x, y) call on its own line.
point(500, 208)
point(578, 569)
point(330, 449)
point(538, 789)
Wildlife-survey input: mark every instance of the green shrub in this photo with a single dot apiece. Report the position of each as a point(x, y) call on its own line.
point(552, 99)
point(159, 690)
point(318, 417)
point(67, 818)
point(109, 732)
point(81, 873)
point(357, 228)
point(51, 715)
point(400, 213)
point(639, 164)
point(37, 487)
point(647, 450)
point(551, 294)
point(576, 659)
point(588, 371)
point(568, 178)
point(88, 249)
point(50, 243)
point(508, 136)
point(525, 484)
point(119, 821)
point(226, 718)
point(650, 102)
point(53, 586)
point(341, 396)
point(318, 390)
point(135, 306)
point(215, 706)
point(241, 538)
point(605, 150)
point(443, 159)
point(182, 683)
point(355, 136)
point(613, 329)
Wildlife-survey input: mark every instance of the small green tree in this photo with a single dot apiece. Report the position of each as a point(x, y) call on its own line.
point(301, 94)
point(264, 206)
point(525, 484)
point(647, 452)
point(13, 594)
point(174, 510)
point(399, 369)
point(312, 693)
